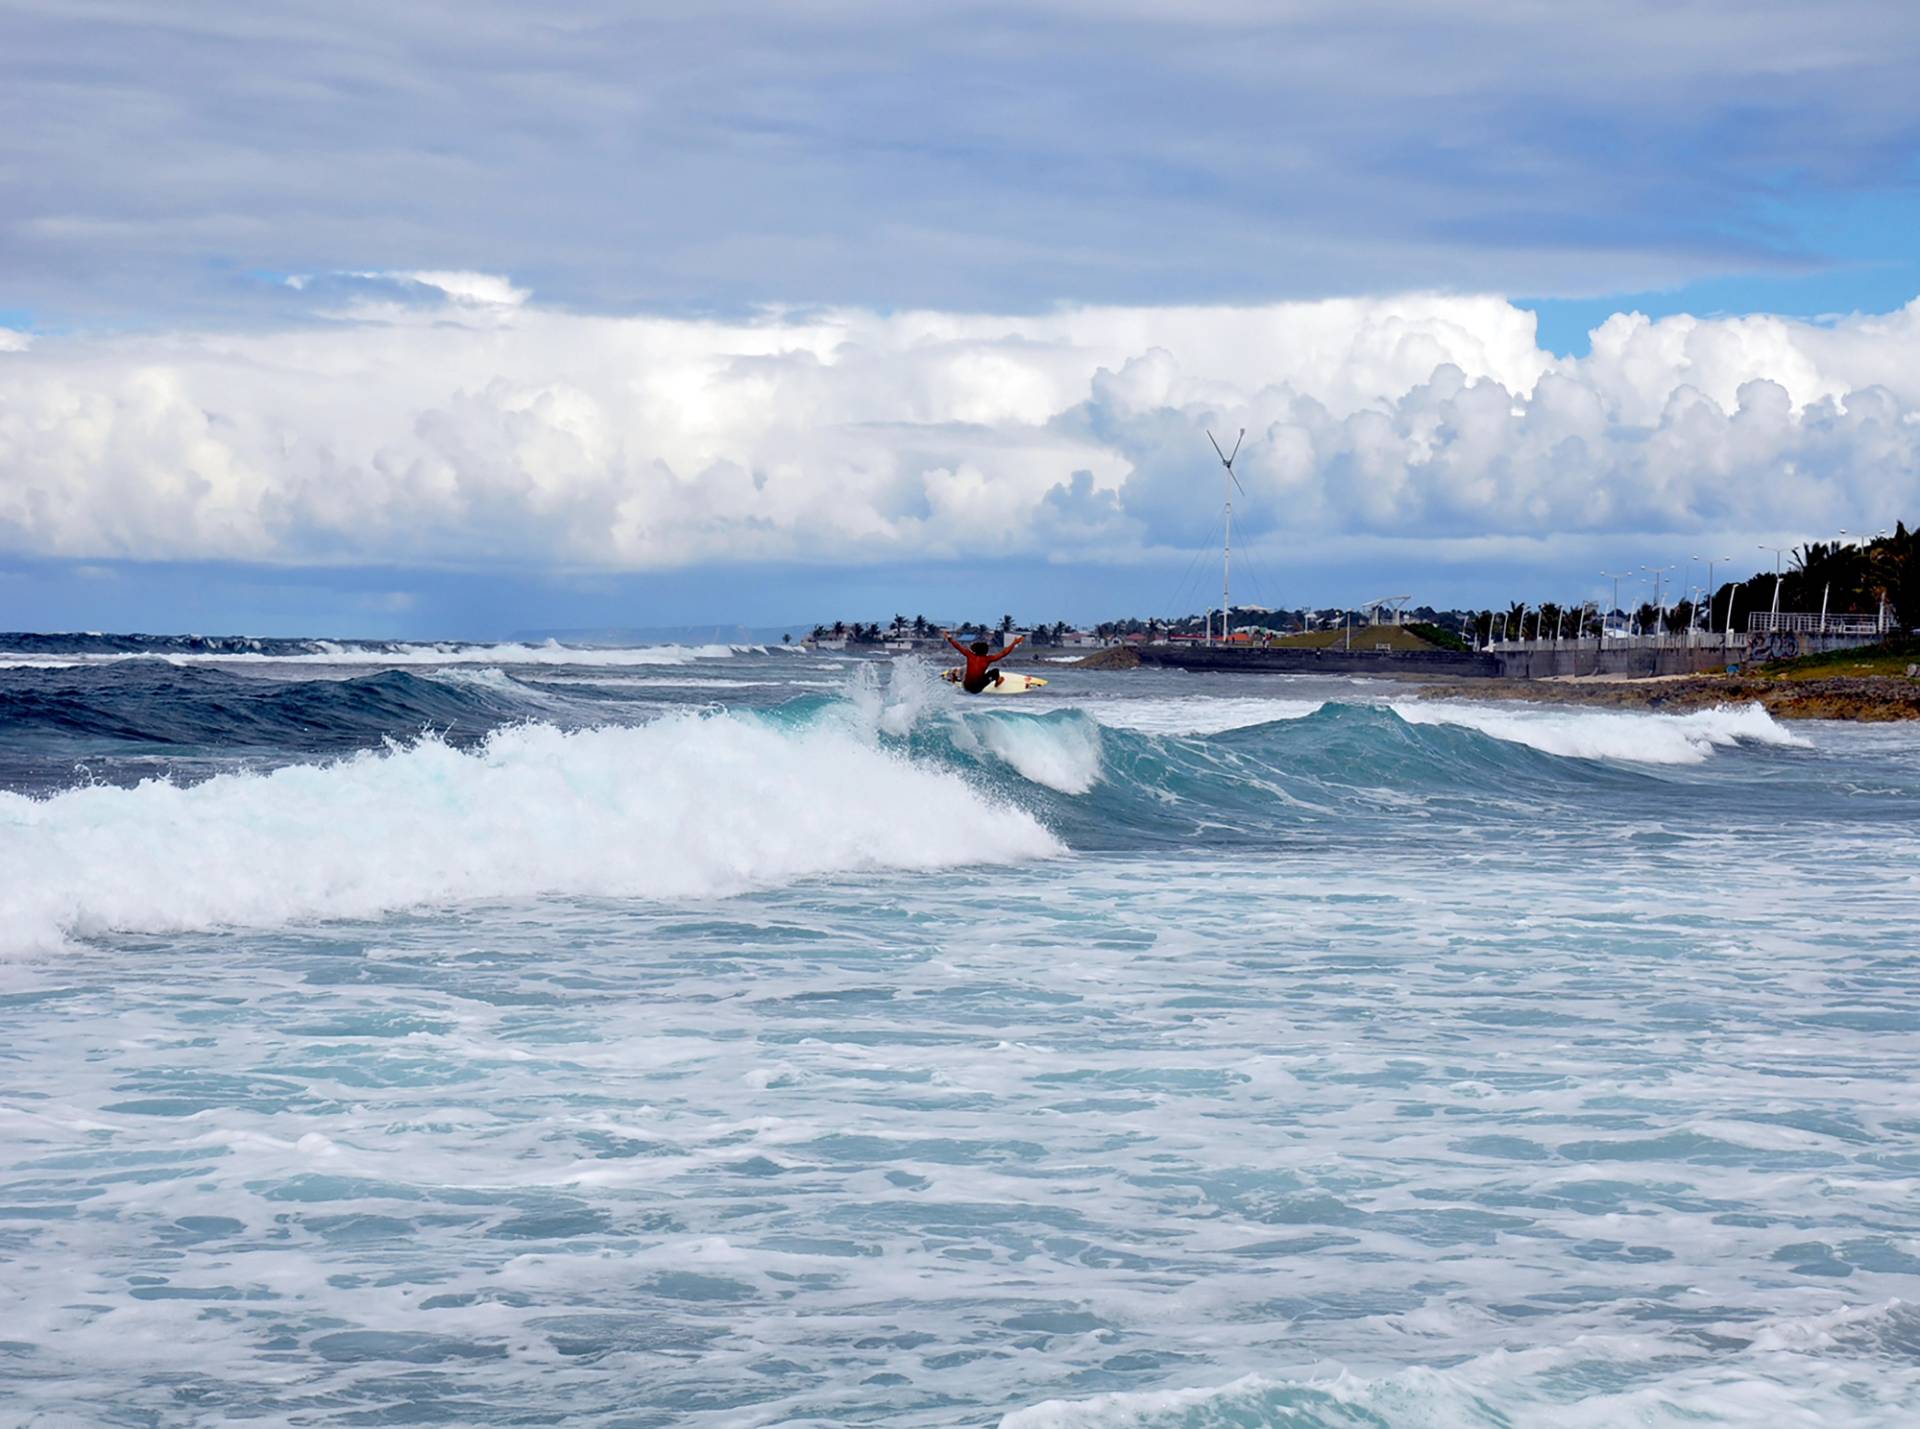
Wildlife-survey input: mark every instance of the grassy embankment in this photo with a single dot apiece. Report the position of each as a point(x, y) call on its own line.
point(1895, 658)
point(1869, 683)
point(1397, 638)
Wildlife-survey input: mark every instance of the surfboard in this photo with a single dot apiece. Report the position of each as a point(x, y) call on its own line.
point(1010, 683)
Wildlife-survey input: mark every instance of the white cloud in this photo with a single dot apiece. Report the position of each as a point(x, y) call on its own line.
point(11, 341)
point(484, 289)
point(412, 435)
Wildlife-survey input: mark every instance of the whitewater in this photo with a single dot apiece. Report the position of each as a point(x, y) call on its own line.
point(734, 1036)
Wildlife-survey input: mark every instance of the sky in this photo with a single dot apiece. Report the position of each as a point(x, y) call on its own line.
point(473, 320)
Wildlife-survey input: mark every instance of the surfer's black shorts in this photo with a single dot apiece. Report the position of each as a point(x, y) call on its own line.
point(979, 682)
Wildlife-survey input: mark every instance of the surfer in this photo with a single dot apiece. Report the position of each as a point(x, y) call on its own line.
point(980, 672)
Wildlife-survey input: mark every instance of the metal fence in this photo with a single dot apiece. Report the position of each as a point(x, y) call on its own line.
point(1621, 640)
point(1786, 622)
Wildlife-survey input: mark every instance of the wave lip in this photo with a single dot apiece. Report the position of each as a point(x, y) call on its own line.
point(686, 807)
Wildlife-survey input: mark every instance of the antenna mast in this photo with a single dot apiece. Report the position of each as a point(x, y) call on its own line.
point(1226, 546)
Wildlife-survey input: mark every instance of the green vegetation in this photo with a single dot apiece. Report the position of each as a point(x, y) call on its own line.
point(1398, 638)
point(1841, 579)
point(1437, 635)
point(1889, 657)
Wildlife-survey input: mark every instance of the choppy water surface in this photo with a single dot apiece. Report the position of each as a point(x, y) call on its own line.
point(520, 1035)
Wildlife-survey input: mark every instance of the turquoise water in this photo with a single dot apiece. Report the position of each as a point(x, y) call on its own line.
point(712, 1037)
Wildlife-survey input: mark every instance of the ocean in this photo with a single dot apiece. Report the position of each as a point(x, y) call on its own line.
point(450, 1034)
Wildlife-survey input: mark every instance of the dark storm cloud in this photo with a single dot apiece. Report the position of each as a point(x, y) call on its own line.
point(164, 160)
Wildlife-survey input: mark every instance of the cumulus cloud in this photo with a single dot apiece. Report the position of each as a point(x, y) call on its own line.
point(484, 428)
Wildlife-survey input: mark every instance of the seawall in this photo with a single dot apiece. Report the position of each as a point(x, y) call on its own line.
point(1410, 664)
point(1530, 661)
point(1546, 662)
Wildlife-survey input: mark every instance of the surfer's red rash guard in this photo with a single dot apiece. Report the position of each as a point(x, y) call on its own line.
point(978, 665)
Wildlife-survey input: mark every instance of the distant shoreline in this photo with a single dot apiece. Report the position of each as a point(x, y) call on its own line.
point(1864, 699)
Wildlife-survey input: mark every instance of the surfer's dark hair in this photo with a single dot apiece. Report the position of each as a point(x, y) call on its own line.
point(979, 647)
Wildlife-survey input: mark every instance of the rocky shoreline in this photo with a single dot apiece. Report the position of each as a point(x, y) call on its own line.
point(1869, 699)
point(1874, 699)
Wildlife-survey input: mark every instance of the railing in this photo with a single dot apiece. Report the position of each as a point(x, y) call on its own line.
point(1801, 623)
point(1618, 640)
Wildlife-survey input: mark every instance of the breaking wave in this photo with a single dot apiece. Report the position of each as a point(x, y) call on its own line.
point(1603, 734)
point(689, 806)
point(473, 783)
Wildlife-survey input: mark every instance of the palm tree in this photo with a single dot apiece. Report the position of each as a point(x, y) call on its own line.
point(1006, 625)
point(920, 626)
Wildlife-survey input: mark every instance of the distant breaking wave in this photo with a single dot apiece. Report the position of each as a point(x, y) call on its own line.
point(1606, 734)
point(1635, 737)
point(55, 651)
point(216, 708)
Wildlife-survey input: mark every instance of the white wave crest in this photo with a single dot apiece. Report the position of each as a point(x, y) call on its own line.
point(1063, 755)
point(1193, 715)
point(688, 806)
point(1608, 734)
point(912, 691)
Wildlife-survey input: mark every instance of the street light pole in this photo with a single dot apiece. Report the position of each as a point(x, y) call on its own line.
point(1713, 561)
point(1659, 610)
point(1778, 552)
point(1616, 577)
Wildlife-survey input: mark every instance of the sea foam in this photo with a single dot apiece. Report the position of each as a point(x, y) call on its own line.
point(685, 807)
point(1792, 1372)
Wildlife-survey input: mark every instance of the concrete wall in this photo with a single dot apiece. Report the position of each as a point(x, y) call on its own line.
point(1412, 664)
point(1587, 659)
point(1536, 661)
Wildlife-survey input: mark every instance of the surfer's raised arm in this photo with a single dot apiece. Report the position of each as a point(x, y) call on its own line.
point(954, 643)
